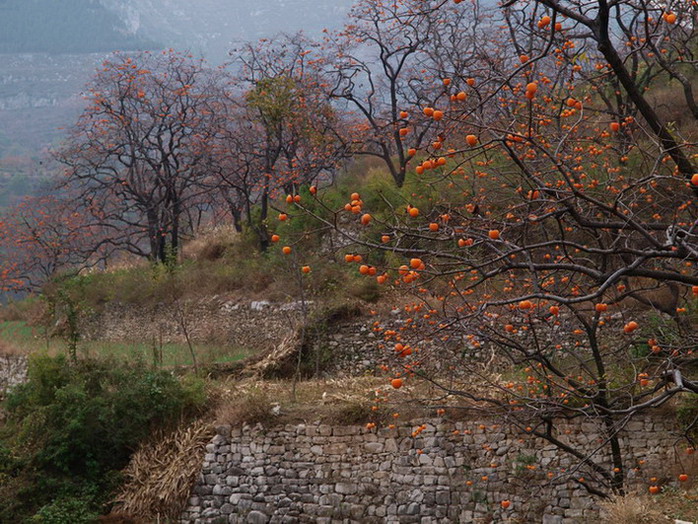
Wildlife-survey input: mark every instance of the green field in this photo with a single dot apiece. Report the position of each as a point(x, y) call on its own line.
point(22, 338)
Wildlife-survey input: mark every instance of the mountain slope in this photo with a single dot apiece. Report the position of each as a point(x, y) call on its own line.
point(68, 26)
point(209, 26)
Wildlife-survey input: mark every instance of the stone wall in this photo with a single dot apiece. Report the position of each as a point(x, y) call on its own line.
point(450, 472)
point(251, 325)
point(13, 371)
point(349, 346)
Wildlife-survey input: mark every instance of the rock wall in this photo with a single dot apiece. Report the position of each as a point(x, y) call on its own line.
point(450, 472)
point(13, 371)
point(243, 324)
point(347, 346)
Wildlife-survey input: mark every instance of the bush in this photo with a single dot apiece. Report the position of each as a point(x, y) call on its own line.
point(75, 426)
point(66, 511)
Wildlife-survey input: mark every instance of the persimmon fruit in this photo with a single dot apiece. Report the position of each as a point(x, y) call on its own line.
point(630, 326)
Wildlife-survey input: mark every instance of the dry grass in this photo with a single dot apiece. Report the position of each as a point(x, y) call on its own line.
point(334, 401)
point(673, 503)
point(7, 349)
point(251, 407)
point(161, 473)
point(210, 245)
point(279, 359)
point(631, 509)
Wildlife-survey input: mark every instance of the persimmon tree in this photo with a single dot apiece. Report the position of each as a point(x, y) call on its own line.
point(234, 175)
point(284, 130)
point(136, 156)
point(608, 24)
point(41, 236)
point(378, 66)
point(556, 279)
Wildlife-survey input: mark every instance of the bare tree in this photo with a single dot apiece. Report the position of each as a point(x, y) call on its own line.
point(136, 157)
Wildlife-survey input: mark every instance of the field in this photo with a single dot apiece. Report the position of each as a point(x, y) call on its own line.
point(18, 336)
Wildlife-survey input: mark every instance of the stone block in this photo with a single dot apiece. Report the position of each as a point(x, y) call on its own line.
point(552, 519)
point(374, 447)
point(346, 488)
point(256, 517)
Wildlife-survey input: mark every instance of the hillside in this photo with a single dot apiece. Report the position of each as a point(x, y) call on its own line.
point(436, 267)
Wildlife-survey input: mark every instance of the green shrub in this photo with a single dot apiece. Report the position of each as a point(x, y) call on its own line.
point(66, 511)
point(74, 426)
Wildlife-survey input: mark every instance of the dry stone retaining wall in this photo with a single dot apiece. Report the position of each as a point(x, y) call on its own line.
point(452, 472)
point(253, 325)
point(349, 346)
point(13, 371)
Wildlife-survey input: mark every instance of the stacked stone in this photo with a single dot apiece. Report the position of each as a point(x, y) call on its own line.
point(214, 320)
point(450, 472)
point(13, 371)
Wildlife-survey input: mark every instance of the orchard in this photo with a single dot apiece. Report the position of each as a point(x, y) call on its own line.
point(558, 208)
point(538, 213)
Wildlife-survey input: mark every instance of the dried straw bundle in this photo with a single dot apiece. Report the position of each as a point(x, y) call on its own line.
point(161, 473)
point(280, 356)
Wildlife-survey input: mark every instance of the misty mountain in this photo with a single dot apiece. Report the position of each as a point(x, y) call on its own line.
point(209, 27)
point(66, 26)
point(49, 49)
point(203, 26)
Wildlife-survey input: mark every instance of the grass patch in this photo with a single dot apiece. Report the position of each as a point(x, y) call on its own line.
point(27, 339)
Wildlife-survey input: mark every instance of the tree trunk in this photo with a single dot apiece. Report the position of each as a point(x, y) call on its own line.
point(262, 226)
point(153, 236)
point(237, 218)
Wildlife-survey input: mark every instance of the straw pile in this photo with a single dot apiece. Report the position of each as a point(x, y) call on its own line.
point(281, 358)
point(161, 473)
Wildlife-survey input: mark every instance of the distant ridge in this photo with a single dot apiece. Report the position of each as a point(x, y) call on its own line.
point(65, 26)
point(209, 27)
